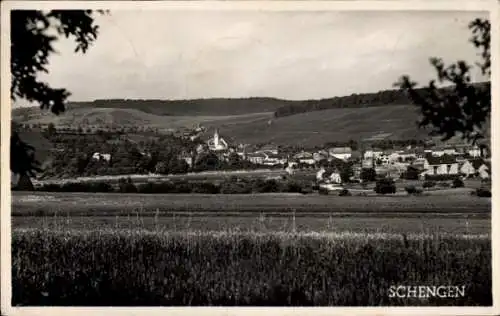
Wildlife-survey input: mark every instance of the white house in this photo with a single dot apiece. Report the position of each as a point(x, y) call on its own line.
point(256, 158)
point(442, 165)
point(324, 176)
point(273, 159)
point(484, 171)
point(268, 149)
point(99, 156)
point(474, 151)
point(217, 143)
point(343, 153)
point(305, 157)
point(320, 155)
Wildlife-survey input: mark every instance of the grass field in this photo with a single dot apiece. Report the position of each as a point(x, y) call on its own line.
point(91, 249)
point(309, 129)
point(48, 204)
point(151, 268)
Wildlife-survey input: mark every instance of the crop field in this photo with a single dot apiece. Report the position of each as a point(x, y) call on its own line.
point(101, 249)
point(152, 268)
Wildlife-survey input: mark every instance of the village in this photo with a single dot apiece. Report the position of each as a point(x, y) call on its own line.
point(441, 161)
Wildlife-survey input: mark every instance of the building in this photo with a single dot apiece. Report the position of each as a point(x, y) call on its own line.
point(256, 158)
point(328, 176)
point(320, 155)
point(441, 165)
point(475, 151)
point(268, 149)
point(305, 158)
point(343, 153)
point(99, 156)
point(273, 159)
point(217, 143)
point(475, 167)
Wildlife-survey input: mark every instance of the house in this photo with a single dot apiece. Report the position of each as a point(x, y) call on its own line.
point(273, 159)
point(320, 155)
point(441, 165)
point(475, 167)
point(99, 156)
point(343, 153)
point(268, 149)
point(484, 171)
point(305, 157)
point(217, 143)
point(475, 151)
point(256, 158)
point(328, 176)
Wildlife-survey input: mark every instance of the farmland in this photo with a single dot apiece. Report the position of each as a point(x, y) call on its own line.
point(246, 249)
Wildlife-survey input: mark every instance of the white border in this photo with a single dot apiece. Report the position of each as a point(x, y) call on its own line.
point(478, 5)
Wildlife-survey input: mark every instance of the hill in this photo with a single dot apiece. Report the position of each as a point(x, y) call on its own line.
point(319, 127)
point(194, 107)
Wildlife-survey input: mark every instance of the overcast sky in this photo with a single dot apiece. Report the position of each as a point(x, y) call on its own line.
point(292, 55)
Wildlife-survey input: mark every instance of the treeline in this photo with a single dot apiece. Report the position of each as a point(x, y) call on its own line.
point(381, 98)
point(212, 106)
point(232, 185)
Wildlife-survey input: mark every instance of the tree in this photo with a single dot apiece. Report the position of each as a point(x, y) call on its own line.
point(22, 157)
point(463, 108)
point(346, 172)
point(32, 42)
point(368, 174)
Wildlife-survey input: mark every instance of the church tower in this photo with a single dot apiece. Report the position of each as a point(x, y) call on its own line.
point(216, 138)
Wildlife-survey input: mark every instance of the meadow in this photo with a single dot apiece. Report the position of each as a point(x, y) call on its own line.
point(157, 268)
point(88, 249)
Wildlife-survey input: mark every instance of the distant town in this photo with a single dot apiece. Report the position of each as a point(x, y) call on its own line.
point(111, 152)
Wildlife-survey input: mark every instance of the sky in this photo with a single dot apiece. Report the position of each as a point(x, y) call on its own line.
point(289, 55)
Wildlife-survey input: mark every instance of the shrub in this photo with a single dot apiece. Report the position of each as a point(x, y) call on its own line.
point(206, 188)
point(411, 189)
point(322, 191)
point(442, 177)
point(457, 183)
point(483, 192)
point(429, 184)
point(444, 184)
point(385, 186)
point(344, 192)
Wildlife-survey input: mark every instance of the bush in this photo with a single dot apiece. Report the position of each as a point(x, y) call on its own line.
point(444, 184)
point(457, 183)
point(322, 191)
point(385, 186)
point(410, 189)
point(429, 184)
point(482, 192)
point(344, 192)
point(442, 177)
point(206, 188)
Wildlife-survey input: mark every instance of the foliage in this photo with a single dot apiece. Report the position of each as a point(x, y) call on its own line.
point(22, 157)
point(385, 186)
point(154, 268)
point(463, 108)
point(482, 192)
point(411, 173)
point(429, 184)
point(32, 44)
point(344, 192)
point(457, 183)
point(368, 174)
point(441, 177)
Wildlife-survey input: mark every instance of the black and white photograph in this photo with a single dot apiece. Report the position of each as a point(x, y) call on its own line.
point(247, 154)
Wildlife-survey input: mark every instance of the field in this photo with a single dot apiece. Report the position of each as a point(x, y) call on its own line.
point(310, 129)
point(148, 268)
point(246, 250)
